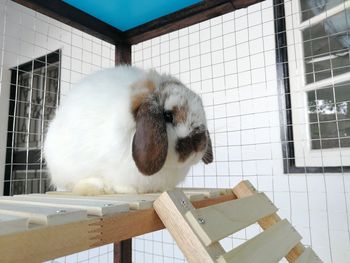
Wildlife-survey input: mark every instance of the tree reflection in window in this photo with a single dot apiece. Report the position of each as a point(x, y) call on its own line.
point(33, 100)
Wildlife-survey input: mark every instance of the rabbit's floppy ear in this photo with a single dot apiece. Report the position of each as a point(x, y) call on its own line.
point(208, 156)
point(150, 142)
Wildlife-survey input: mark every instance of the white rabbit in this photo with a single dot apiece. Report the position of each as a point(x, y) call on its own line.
point(126, 130)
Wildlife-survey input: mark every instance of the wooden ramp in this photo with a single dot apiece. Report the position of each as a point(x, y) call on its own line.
point(198, 231)
point(39, 227)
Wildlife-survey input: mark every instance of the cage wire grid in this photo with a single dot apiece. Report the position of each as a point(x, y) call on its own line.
point(28, 40)
point(231, 62)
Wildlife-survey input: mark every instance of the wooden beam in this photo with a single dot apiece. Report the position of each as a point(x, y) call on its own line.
point(171, 207)
point(76, 18)
point(45, 243)
point(238, 4)
point(123, 54)
point(183, 18)
point(123, 251)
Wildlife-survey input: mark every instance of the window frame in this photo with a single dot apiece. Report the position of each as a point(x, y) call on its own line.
point(287, 113)
point(30, 156)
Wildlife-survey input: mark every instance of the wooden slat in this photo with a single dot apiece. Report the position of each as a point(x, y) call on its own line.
point(207, 192)
point(136, 202)
point(45, 243)
point(308, 256)
point(244, 189)
point(192, 196)
point(171, 207)
point(268, 247)
point(93, 207)
point(43, 214)
point(230, 216)
point(11, 224)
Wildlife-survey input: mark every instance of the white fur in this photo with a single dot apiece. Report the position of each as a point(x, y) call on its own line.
point(88, 144)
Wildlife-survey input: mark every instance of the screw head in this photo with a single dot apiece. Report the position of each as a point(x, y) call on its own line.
point(201, 220)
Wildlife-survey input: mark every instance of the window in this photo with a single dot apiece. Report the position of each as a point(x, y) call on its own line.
point(34, 96)
point(318, 45)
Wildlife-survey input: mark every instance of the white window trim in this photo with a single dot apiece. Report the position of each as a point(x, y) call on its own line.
point(304, 155)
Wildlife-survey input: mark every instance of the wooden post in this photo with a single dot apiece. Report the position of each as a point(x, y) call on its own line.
point(123, 53)
point(123, 249)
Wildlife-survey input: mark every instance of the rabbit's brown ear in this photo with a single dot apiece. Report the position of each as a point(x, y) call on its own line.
point(208, 156)
point(150, 142)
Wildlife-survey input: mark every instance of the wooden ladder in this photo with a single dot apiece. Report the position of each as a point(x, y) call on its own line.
point(198, 231)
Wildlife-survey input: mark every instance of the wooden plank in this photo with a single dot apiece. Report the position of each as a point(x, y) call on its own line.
point(171, 207)
point(44, 243)
point(308, 256)
point(76, 18)
point(269, 246)
point(231, 216)
point(207, 192)
point(244, 189)
point(93, 207)
point(117, 226)
point(12, 224)
point(136, 202)
point(43, 214)
point(192, 196)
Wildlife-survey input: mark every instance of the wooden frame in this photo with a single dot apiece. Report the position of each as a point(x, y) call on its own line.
point(16, 158)
point(286, 114)
point(197, 233)
point(69, 15)
point(45, 243)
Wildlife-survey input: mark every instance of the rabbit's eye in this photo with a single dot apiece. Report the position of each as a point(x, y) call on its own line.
point(168, 116)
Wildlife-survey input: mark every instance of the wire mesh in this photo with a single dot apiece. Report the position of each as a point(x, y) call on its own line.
point(231, 62)
point(40, 59)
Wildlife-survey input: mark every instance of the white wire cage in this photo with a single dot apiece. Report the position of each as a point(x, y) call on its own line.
point(231, 62)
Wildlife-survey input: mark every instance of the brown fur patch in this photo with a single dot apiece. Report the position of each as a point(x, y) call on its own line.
point(140, 91)
point(195, 142)
point(184, 148)
point(180, 114)
point(150, 142)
